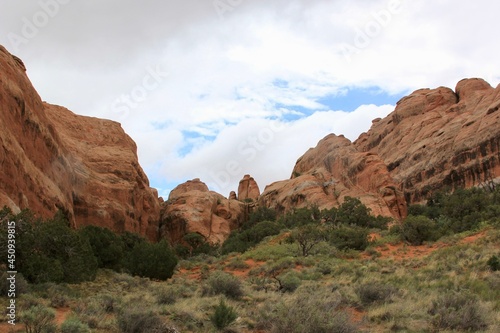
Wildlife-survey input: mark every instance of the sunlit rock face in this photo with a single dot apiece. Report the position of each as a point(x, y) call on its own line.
point(53, 159)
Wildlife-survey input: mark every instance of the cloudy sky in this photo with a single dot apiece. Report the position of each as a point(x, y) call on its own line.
point(215, 89)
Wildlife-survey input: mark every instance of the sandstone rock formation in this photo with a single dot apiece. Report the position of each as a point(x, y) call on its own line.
point(435, 138)
point(439, 138)
point(53, 159)
point(248, 190)
point(332, 170)
point(191, 207)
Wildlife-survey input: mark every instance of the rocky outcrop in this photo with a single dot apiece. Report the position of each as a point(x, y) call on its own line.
point(331, 171)
point(52, 159)
point(248, 190)
point(193, 208)
point(438, 138)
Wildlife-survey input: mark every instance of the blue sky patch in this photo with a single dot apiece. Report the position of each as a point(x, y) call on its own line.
point(357, 97)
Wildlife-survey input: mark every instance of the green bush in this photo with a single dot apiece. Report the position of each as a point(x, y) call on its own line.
point(166, 296)
point(494, 263)
point(38, 319)
point(418, 229)
point(349, 238)
point(223, 315)
point(374, 292)
point(241, 241)
point(73, 325)
point(301, 217)
point(288, 282)
point(462, 210)
point(22, 286)
point(259, 215)
point(309, 313)
point(222, 283)
point(135, 320)
point(107, 246)
point(455, 311)
point(352, 212)
point(50, 250)
point(152, 260)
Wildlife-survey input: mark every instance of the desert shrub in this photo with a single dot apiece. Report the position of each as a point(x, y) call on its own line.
point(259, 215)
point(28, 301)
point(38, 319)
point(58, 301)
point(462, 210)
point(237, 263)
point(374, 292)
point(108, 303)
point(108, 247)
point(22, 285)
point(92, 311)
point(354, 213)
point(324, 268)
point(51, 251)
point(310, 313)
point(223, 315)
point(494, 263)
point(221, 283)
point(300, 217)
point(457, 311)
point(166, 296)
point(288, 282)
point(135, 320)
point(73, 325)
point(152, 260)
point(241, 241)
point(349, 238)
point(418, 229)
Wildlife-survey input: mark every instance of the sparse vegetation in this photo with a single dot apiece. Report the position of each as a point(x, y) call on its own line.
point(223, 315)
point(39, 319)
point(359, 277)
point(221, 283)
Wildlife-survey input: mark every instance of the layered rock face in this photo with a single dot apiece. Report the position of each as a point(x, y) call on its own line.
point(435, 138)
point(248, 190)
point(53, 159)
point(332, 170)
point(439, 138)
point(192, 208)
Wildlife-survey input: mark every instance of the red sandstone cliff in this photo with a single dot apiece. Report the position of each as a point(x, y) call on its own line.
point(53, 159)
point(192, 208)
point(332, 170)
point(248, 190)
point(439, 138)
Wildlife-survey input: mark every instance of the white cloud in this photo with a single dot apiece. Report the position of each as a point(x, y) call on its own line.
point(230, 73)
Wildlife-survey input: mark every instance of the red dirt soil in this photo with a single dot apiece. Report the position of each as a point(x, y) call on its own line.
point(61, 315)
point(403, 251)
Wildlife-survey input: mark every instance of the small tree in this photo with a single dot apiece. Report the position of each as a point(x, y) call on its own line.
point(307, 237)
point(223, 315)
point(349, 237)
point(418, 229)
point(155, 261)
point(107, 246)
point(194, 240)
